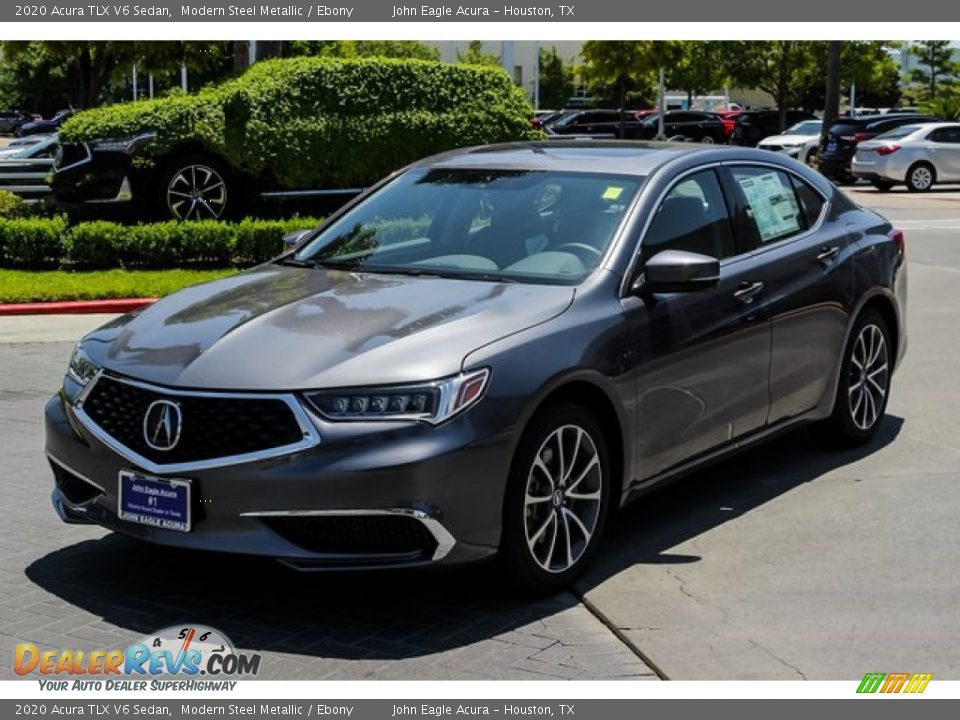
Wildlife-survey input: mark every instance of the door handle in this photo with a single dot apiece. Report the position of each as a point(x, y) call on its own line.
point(748, 291)
point(827, 254)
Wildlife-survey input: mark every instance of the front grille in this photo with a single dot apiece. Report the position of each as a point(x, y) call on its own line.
point(357, 534)
point(74, 488)
point(212, 427)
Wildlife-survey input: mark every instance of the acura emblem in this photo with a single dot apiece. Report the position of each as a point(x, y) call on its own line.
point(161, 425)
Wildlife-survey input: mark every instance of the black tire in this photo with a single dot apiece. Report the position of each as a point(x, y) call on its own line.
point(920, 177)
point(196, 187)
point(527, 572)
point(812, 158)
point(883, 185)
point(845, 180)
point(847, 426)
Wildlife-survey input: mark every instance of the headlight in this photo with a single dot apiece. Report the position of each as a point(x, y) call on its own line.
point(82, 368)
point(431, 402)
point(126, 145)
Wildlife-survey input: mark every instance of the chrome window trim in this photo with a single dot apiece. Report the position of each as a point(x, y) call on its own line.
point(712, 165)
point(311, 437)
point(445, 541)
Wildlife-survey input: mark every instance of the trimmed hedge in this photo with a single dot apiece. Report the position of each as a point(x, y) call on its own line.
point(50, 241)
point(321, 122)
point(11, 205)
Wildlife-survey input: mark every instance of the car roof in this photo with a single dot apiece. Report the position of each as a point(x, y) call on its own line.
point(638, 158)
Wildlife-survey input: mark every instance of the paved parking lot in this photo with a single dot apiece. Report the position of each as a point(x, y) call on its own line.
point(790, 561)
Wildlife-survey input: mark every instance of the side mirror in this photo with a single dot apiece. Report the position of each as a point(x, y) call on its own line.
point(678, 271)
point(292, 239)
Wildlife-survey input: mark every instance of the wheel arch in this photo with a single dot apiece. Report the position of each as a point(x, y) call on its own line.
point(587, 392)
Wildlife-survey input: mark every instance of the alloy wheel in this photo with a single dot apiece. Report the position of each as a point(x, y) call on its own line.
point(921, 177)
point(868, 377)
point(197, 192)
point(707, 140)
point(562, 499)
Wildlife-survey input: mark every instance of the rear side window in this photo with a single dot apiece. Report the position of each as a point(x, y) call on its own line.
point(811, 202)
point(693, 217)
point(771, 202)
point(946, 135)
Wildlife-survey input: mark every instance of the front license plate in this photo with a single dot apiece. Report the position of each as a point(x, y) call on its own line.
point(831, 147)
point(161, 502)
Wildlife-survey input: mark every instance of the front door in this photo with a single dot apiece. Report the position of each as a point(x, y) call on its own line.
point(703, 357)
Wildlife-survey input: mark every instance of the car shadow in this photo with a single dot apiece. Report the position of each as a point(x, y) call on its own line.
point(263, 606)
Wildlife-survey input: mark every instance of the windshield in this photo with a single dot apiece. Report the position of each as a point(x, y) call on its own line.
point(900, 132)
point(502, 225)
point(807, 127)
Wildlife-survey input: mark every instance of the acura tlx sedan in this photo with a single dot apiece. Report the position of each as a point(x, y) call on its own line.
point(486, 355)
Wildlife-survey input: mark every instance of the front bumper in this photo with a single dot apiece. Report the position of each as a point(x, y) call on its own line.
point(446, 480)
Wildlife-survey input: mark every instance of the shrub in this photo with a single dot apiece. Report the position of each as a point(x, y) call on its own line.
point(11, 205)
point(33, 241)
point(321, 122)
point(38, 241)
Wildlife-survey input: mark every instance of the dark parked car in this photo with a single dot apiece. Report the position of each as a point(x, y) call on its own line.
point(40, 127)
point(704, 127)
point(10, 120)
point(753, 126)
point(24, 170)
point(487, 354)
point(840, 143)
point(596, 122)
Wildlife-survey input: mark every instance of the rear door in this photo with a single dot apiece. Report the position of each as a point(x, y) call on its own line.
point(808, 279)
point(702, 357)
point(945, 149)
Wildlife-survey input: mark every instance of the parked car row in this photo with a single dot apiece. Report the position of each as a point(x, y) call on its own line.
point(23, 124)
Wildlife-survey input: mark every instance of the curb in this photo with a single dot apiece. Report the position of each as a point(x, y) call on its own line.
point(76, 307)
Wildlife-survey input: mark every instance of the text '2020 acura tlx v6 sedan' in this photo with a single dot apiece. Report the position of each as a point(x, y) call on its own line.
point(485, 355)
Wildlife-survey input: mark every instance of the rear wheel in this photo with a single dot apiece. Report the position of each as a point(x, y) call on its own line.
point(557, 499)
point(708, 140)
point(864, 385)
point(883, 185)
point(920, 177)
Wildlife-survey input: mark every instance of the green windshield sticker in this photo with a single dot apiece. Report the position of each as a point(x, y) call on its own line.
point(613, 192)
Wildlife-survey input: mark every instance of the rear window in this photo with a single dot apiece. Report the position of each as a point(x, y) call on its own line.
point(900, 132)
point(846, 128)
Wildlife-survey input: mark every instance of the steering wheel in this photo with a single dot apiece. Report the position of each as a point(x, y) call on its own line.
point(587, 254)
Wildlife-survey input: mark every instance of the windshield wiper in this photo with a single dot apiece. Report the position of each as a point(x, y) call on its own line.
point(297, 262)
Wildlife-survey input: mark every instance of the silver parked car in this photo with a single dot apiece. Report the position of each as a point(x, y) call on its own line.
point(801, 141)
point(918, 155)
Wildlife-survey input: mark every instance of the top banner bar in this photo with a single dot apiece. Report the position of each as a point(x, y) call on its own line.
point(484, 11)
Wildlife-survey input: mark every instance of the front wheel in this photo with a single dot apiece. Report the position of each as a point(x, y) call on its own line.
point(864, 385)
point(196, 188)
point(557, 499)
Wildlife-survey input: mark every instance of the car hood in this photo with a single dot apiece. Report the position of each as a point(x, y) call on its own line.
point(787, 140)
point(282, 328)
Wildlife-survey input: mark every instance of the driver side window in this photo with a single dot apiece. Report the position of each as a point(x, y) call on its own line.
point(692, 217)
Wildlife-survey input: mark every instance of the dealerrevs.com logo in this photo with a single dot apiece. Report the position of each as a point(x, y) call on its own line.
point(187, 651)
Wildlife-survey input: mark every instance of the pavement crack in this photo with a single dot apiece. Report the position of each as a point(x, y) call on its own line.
point(776, 657)
point(619, 634)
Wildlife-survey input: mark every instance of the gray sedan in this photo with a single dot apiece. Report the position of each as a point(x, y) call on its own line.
point(919, 156)
point(24, 168)
point(485, 356)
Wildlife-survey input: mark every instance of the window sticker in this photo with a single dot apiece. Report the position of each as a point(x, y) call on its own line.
point(774, 206)
point(613, 192)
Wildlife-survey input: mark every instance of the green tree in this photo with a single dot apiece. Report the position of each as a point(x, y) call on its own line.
point(699, 69)
point(946, 105)
point(476, 55)
point(556, 79)
point(936, 65)
point(34, 81)
point(627, 65)
point(781, 68)
point(96, 66)
point(866, 64)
